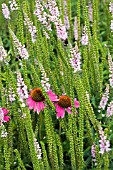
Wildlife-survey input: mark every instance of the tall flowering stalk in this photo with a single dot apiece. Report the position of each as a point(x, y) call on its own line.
point(103, 143)
point(21, 89)
point(3, 54)
point(104, 99)
point(111, 11)
point(90, 11)
point(31, 28)
point(75, 59)
point(109, 109)
point(66, 19)
point(84, 38)
point(3, 131)
point(11, 95)
point(75, 29)
point(37, 149)
point(44, 80)
point(21, 48)
point(93, 153)
point(110, 69)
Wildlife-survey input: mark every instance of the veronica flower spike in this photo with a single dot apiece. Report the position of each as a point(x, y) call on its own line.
point(36, 99)
point(64, 104)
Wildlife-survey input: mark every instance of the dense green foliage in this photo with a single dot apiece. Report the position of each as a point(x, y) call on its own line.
point(65, 142)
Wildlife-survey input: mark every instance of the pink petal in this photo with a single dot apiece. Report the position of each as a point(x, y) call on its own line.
point(39, 106)
point(6, 118)
point(29, 100)
point(53, 97)
point(5, 111)
point(42, 105)
point(76, 103)
point(69, 110)
point(60, 111)
point(31, 103)
point(35, 107)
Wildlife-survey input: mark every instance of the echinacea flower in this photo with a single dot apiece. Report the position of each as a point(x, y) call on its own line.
point(36, 99)
point(3, 117)
point(64, 104)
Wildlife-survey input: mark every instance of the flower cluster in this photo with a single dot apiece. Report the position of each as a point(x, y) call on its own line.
point(11, 95)
point(5, 11)
point(53, 9)
point(104, 99)
point(103, 143)
point(3, 54)
point(36, 101)
point(110, 69)
point(111, 7)
point(75, 29)
point(84, 38)
point(37, 149)
point(45, 80)
point(13, 5)
point(21, 89)
point(111, 26)
point(66, 20)
point(31, 28)
point(42, 17)
point(110, 109)
point(75, 59)
point(90, 11)
point(111, 10)
point(4, 133)
point(3, 117)
point(52, 16)
point(21, 48)
point(93, 153)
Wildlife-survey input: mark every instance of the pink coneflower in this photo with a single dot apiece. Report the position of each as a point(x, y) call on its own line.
point(64, 104)
point(3, 117)
point(36, 99)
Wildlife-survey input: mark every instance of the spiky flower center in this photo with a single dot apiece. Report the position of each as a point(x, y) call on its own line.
point(36, 95)
point(64, 101)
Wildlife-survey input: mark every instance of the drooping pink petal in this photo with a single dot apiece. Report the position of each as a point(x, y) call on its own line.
point(39, 106)
point(5, 111)
point(30, 102)
point(52, 96)
point(42, 105)
point(35, 107)
point(76, 103)
point(6, 118)
point(60, 111)
point(69, 110)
